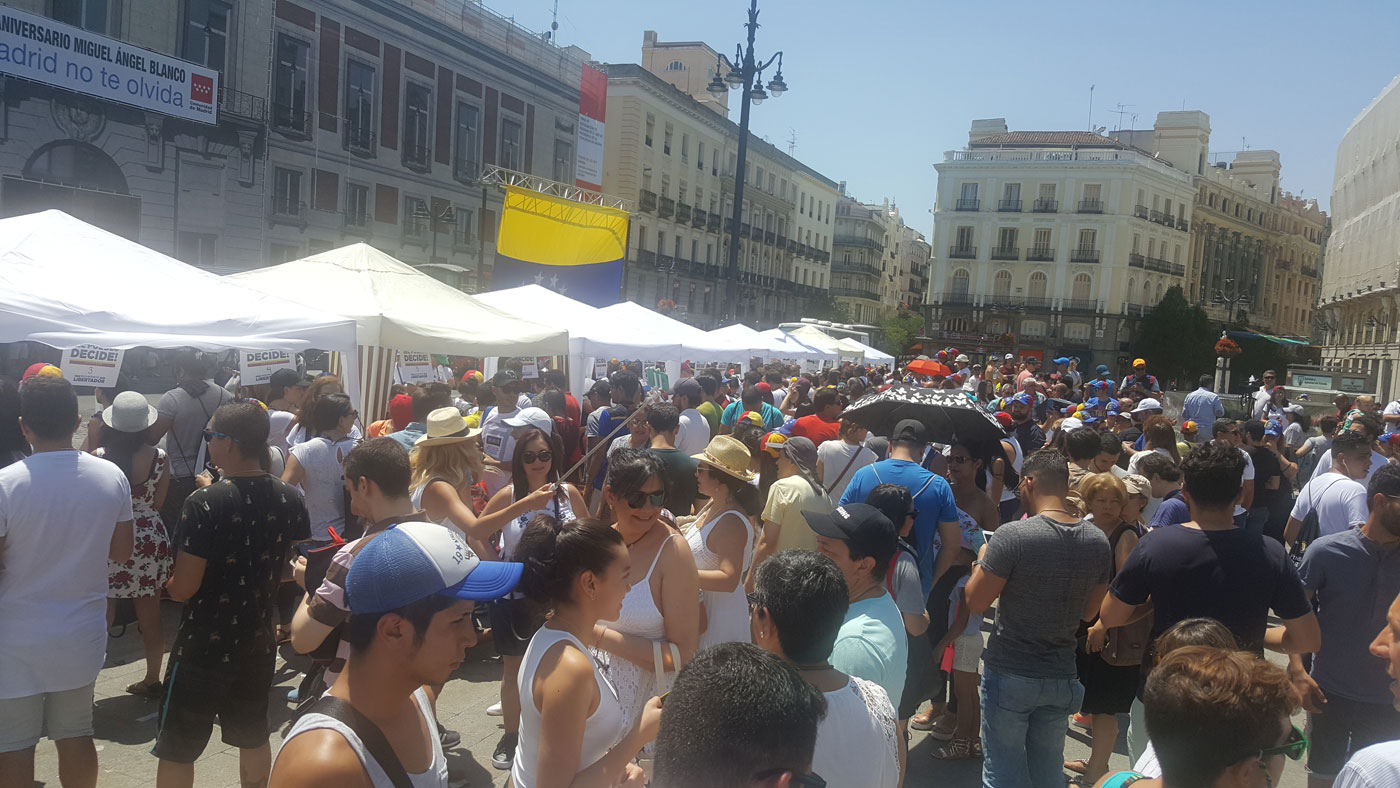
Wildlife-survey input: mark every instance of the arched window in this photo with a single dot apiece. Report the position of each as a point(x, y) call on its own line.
point(1147, 293)
point(961, 281)
point(1083, 285)
point(675, 65)
point(1158, 300)
point(75, 164)
point(1132, 288)
point(1038, 285)
point(1001, 285)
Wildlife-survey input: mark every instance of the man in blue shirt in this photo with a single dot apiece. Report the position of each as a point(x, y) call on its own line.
point(1352, 576)
point(752, 400)
point(937, 522)
point(1203, 406)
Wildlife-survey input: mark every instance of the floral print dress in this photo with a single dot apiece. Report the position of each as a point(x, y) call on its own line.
point(146, 572)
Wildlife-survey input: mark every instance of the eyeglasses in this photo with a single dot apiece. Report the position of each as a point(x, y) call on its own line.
point(803, 780)
point(1294, 748)
point(642, 499)
point(210, 435)
point(532, 457)
point(955, 460)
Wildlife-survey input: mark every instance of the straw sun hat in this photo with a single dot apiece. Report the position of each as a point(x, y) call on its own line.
point(727, 455)
point(446, 425)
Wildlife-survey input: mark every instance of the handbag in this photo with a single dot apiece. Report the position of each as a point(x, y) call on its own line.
point(370, 736)
point(1127, 645)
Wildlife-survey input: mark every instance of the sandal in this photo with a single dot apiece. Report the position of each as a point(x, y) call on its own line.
point(148, 689)
point(1078, 766)
point(957, 750)
point(922, 721)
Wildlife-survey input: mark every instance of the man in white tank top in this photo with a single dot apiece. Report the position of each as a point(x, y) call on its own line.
point(411, 591)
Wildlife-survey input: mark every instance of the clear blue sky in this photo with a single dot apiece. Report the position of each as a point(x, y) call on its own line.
point(880, 89)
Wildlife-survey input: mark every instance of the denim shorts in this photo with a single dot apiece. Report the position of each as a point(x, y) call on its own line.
point(58, 715)
point(1344, 727)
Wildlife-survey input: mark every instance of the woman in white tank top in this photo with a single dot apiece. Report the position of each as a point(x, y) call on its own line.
point(661, 606)
point(722, 540)
point(580, 571)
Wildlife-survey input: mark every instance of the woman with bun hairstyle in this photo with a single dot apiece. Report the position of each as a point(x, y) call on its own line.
point(572, 731)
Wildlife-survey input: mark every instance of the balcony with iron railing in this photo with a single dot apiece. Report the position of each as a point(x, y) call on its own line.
point(665, 262)
point(1158, 265)
point(646, 257)
point(1009, 206)
point(1084, 256)
point(857, 241)
point(962, 252)
point(853, 292)
point(360, 140)
point(715, 222)
point(1136, 260)
point(855, 268)
point(1079, 305)
point(1038, 302)
point(698, 218)
point(682, 213)
point(756, 233)
point(464, 238)
point(357, 222)
point(953, 299)
point(770, 237)
point(666, 208)
point(648, 201)
point(1155, 216)
point(1041, 254)
point(416, 227)
point(291, 120)
point(243, 106)
point(417, 157)
point(1006, 253)
point(1183, 225)
point(1140, 211)
point(968, 204)
point(1310, 272)
point(1045, 206)
point(1091, 206)
point(287, 210)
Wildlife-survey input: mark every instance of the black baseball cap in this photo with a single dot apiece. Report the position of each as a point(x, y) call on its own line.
point(286, 378)
point(865, 529)
point(602, 388)
point(910, 430)
point(503, 378)
point(687, 387)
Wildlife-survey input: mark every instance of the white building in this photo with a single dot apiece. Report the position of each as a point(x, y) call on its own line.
point(1359, 307)
point(1043, 242)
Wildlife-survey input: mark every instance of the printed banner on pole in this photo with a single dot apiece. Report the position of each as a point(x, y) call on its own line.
point(569, 247)
point(592, 106)
point(255, 367)
point(91, 365)
point(39, 49)
point(415, 367)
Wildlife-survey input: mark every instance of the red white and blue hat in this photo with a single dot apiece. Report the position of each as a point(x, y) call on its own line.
point(413, 561)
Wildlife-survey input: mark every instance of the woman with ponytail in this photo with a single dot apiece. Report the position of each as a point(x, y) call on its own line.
point(572, 729)
point(722, 538)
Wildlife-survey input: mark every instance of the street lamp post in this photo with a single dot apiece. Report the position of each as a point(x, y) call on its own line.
point(1231, 297)
point(746, 73)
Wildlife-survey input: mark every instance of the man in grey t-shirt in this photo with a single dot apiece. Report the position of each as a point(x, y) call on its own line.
point(183, 413)
point(1050, 571)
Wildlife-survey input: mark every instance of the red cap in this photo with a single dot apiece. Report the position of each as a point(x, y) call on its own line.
point(40, 369)
point(401, 411)
point(764, 388)
point(1003, 418)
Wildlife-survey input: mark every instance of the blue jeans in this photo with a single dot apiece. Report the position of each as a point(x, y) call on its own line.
point(1023, 729)
point(1255, 519)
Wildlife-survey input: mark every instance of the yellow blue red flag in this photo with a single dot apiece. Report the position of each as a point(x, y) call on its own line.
point(568, 246)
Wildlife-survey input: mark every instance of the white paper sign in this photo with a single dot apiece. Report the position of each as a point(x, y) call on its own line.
point(529, 370)
point(91, 365)
point(255, 367)
point(52, 53)
point(415, 367)
point(600, 370)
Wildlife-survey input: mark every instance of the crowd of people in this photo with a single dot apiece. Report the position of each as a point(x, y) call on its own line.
point(740, 580)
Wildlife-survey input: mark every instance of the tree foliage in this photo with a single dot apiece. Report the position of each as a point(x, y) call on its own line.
point(1176, 339)
point(901, 331)
point(826, 307)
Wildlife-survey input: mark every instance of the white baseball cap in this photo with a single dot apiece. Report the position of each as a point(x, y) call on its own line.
point(1147, 404)
point(532, 417)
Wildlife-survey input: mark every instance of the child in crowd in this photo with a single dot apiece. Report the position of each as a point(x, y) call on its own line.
point(1187, 632)
point(959, 650)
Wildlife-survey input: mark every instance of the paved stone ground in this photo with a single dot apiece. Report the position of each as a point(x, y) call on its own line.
point(126, 727)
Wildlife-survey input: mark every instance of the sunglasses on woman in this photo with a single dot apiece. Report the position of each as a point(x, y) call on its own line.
point(532, 457)
point(956, 460)
point(1294, 748)
point(210, 435)
point(641, 499)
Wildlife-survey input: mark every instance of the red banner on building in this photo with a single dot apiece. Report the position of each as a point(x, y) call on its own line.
point(592, 106)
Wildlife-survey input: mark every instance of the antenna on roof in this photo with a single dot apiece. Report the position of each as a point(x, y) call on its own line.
point(1091, 107)
point(792, 141)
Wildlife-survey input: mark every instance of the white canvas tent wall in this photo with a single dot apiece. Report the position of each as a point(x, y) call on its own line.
point(811, 335)
point(872, 356)
point(591, 334)
point(64, 282)
point(397, 307)
point(695, 345)
point(811, 358)
point(765, 347)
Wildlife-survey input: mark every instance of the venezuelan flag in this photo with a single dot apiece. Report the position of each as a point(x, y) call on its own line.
point(572, 248)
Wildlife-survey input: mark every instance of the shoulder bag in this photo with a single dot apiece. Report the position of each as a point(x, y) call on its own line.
point(369, 734)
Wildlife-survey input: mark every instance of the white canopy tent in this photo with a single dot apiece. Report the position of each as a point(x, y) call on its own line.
point(694, 344)
point(397, 307)
point(810, 357)
point(815, 337)
point(759, 344)
point(592, 335)
point(872, 356)
point(64, 282)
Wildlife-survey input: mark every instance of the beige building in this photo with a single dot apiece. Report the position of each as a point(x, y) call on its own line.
point(1359, 305)
point(1065, 240)
point(879, 263)
point(676, 156)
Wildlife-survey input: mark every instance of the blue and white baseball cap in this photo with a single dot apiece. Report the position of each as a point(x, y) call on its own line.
point(413, 561)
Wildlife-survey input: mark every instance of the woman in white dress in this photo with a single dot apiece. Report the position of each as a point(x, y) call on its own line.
point(721, 537)
point(580, 572)
point(660, 610)
point(799, 602)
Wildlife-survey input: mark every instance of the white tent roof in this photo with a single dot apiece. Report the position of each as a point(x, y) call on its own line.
point(590, 334)
point(695, 344)
point(397, 306)
point(64, 282)
point(740, 335)
point(813, 337)
point(798, 348)
point(872, 356)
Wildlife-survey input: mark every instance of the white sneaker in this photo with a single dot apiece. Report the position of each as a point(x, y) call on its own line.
point(495, 710)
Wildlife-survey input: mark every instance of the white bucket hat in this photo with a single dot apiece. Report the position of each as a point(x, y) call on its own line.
point(129, 413)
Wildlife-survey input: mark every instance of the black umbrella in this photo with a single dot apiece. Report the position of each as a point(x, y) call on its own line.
point(946, 414)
